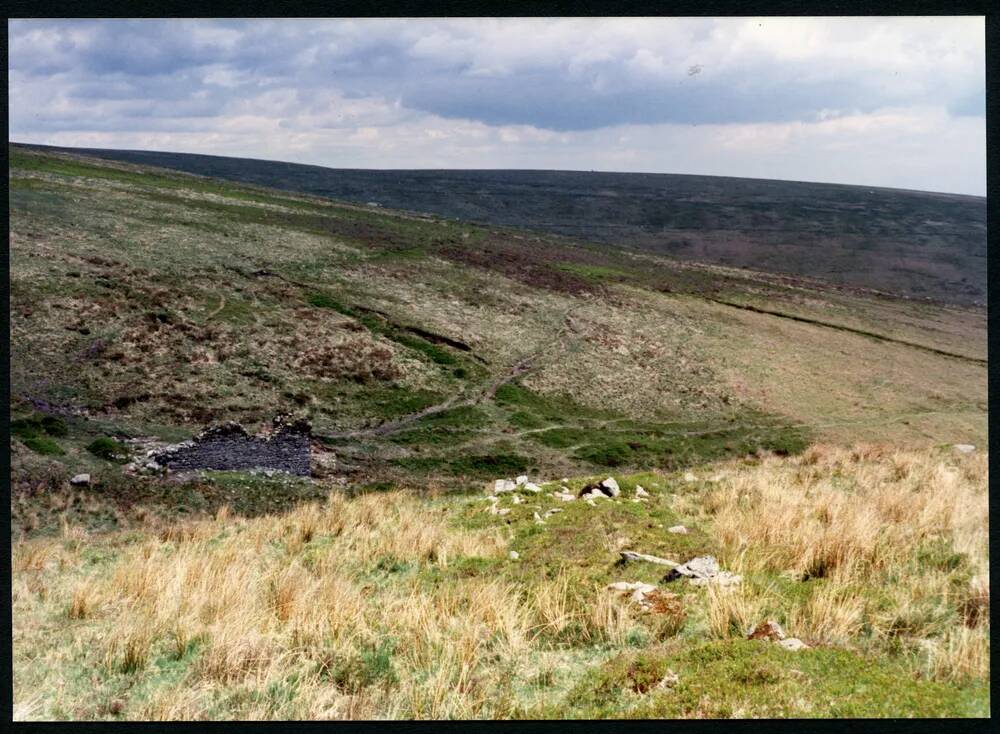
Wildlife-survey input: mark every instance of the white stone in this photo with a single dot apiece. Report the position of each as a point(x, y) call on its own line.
point(80, 480)
point(640, 492)
point(516, 499)
point(590, 501)
point(504, 511)
point(678, 529)
point(538, 519)
point(965, 448)
point(793, 644)
point(689, 477)
point(514, 555)
point(503, 485)
point(523, 479)
point(670, 680)
point(553, 511)
point(531, 487)
point(612, 486)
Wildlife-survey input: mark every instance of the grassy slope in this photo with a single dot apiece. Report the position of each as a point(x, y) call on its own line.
point(917, 243)
point(392, 605)
point(156, 302)
point(151, 302)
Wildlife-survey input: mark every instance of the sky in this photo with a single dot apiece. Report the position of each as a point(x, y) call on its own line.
point(896, 102)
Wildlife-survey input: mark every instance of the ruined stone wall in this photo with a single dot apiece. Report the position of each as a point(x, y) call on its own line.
point(230, 447)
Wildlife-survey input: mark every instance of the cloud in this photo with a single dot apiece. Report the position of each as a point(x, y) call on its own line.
point(475, 92)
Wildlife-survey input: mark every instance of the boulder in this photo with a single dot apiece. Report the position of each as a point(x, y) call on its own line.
point(610, 487)
point(769, 630)
point(80, 480)
point(703, 570)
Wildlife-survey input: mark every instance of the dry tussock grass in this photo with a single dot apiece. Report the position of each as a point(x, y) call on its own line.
point(896, 540)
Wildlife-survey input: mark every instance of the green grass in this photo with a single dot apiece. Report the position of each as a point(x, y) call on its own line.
point(753, 679)
point(109, 449)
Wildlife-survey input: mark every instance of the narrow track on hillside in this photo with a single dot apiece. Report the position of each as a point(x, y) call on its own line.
point(525, 365)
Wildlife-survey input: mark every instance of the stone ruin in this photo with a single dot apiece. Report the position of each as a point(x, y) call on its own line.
point(286, 448)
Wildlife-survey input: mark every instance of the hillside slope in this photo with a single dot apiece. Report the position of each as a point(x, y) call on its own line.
point(151, 303)
point(917, 244)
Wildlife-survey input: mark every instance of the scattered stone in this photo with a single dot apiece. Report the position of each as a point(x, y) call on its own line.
point(514, 555)
point(964, 448)
point(678, 529)
point(564, 496)
point(504, 511)
point(80, 480)
point(531, 487)
point(793, 644)
point(769, 630)
point(689, 477)
point(538, 519)
point(627, 556)
point(640, 492)
point(523, 479)
point(516, 499)
point(553, 511)
point(503, 485)
point(702, 570)
point(285, 448)
point(670, 680)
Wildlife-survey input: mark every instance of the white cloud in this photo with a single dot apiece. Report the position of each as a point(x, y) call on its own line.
point(827, 99)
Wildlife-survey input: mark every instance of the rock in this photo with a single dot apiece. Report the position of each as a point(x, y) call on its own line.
point(670, 680)
point(640, 492)
point(531, 487)
point(769, 630)
point(523, 479)
point(503, 485)
point(699, 567)
point(610, 487)
point(964, 448)
point(689, 477)
point(793, 644)
point(504, 511)
point(627, 556)
point(516, 499)
point(538, 519)
point(678, 529)
point(514, 555)
point(565, 496)
point(553, 511)
point(623, 586)
point(80, 480)
point(703, 570)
